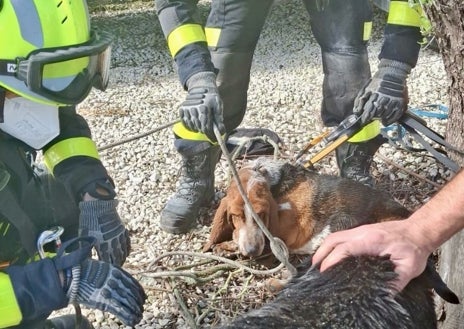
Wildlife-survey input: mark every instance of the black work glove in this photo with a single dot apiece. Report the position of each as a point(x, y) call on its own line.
point(100, 219)
point(109, 288)
point(385, 94)
point(202, 107)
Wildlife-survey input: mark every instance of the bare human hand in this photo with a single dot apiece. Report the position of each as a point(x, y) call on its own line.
point(396, 239)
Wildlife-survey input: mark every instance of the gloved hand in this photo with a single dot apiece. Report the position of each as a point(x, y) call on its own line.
point(44, 286)
point(385, 95)
point(202, 107)
point(108, 288)
point(99, 219)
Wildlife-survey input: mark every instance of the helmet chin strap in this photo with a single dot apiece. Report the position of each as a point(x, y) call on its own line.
point(2, 102)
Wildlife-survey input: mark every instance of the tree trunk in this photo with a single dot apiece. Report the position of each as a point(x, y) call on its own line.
point(447, 17)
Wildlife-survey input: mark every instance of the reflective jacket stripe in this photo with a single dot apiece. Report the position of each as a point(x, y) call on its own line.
point(367, 31)
point(184, 35)
point(9, 307)
point(78, 146)
point(212, 35)
point(184, 133)
point(369, 132)
point(402, 13)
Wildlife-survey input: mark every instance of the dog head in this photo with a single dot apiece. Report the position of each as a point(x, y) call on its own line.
point(233, 219)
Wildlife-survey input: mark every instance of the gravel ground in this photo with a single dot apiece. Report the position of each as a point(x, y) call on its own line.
point(284, 95)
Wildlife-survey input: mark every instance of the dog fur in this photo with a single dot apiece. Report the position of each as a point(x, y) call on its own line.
point(353, 294)
point(297, 205)
point(301, 207)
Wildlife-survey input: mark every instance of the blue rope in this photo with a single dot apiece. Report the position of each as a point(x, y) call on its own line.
point(441, 111)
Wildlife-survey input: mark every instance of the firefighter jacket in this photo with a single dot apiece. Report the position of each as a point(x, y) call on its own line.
point(30, 203)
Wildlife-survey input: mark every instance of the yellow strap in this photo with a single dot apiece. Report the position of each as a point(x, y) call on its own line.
point(367, 31)
point(9, 308)
point(184, 133)
point(369, 132)
point(185, 35)
point(78, 146)
point(402, 13)
point(212, 36)
point(329, 148)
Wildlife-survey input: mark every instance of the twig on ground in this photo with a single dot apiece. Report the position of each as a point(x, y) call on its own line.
point(412, 173)
point(185, 311)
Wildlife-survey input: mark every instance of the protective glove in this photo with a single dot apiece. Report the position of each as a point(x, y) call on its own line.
point(111, 289)
point(385, 94)
point(44, 286)
point(99, 219)
point(202, 107)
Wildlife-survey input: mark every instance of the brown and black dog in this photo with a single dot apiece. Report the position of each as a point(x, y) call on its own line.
point(301, 207)
point(297, 205)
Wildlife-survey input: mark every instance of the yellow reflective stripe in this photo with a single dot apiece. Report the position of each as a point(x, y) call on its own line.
point(78, 146)
point(9, 308)
point(369, 132)
point(402, 13)
point(37, 257)
point(367, 31)
point(212, 36)
point(184, 133)
point(185, 35)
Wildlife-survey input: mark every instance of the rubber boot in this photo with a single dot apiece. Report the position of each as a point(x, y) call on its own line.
point(68, 322)
point(354, 160)
point(195, 190)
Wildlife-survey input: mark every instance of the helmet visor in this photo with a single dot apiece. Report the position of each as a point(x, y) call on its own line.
point(67, 74)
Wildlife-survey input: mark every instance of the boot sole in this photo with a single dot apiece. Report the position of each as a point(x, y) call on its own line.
point(174, 224)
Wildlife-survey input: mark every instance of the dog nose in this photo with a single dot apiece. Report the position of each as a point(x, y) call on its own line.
point(252, 251)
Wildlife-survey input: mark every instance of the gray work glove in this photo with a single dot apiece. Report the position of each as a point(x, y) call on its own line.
point(385, 95)
point(111, 289)
point(100, 219)
point(202, 107)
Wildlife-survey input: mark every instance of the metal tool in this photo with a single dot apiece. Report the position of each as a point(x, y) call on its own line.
point(54, 235)
point(51, 235)
point(416, 126)
point(333, 139)
point(412, 123)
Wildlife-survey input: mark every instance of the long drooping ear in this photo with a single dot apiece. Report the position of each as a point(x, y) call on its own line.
point(273, 216)
point(221, 228)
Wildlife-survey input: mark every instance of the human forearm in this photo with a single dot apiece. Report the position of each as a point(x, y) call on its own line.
point(441, 217)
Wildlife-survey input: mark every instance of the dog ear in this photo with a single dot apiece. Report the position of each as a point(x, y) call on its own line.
point(221, 228)
point(273, 216)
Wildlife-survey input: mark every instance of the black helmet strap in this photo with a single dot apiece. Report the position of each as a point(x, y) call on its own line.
point(2, 100)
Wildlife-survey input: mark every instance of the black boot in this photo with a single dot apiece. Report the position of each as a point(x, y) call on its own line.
point(195, 190)
point(68, 321)
point(354, 160)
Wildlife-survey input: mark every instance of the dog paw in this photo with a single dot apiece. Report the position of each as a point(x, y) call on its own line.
point(275, 285)
point(226, 249)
